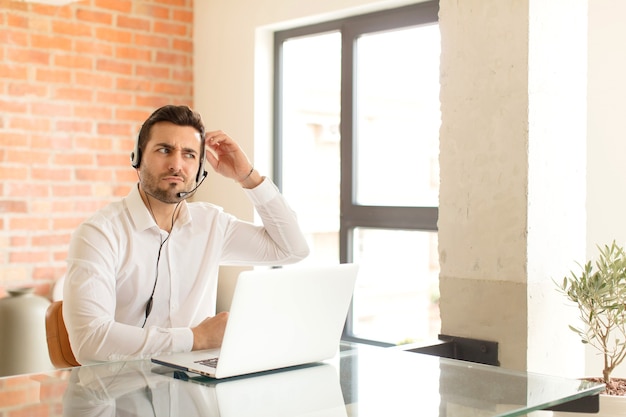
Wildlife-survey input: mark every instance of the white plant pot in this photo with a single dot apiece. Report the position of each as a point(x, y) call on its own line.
point(610, 406)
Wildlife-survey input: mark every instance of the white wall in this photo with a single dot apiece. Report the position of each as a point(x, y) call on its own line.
point(606, 140)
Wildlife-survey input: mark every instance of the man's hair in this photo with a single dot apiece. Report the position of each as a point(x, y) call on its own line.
point(179, 115)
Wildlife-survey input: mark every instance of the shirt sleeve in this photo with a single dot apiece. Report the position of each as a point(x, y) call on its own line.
point(278, 241)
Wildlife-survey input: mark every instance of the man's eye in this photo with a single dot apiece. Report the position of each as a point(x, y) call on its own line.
point(164, 150)
point(190, 155)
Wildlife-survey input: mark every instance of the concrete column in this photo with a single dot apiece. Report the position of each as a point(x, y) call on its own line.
point(512, 195)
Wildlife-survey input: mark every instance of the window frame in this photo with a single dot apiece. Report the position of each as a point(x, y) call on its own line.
point(354, 215)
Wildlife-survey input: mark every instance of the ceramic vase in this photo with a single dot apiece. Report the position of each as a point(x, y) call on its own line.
point(23, 346)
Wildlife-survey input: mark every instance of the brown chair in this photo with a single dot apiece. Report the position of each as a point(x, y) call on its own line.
point(59, 349)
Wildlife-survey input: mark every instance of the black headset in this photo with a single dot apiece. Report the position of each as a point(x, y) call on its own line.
point(135, 160)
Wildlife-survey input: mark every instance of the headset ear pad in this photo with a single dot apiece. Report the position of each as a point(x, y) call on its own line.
point(135, 155)
point(201, 170)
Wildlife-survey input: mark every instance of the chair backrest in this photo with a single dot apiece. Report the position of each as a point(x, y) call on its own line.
point(59, 348)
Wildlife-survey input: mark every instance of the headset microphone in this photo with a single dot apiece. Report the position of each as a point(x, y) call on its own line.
point(185, 194)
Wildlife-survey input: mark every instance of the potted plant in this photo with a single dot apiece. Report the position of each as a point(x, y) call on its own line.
point(599, 291)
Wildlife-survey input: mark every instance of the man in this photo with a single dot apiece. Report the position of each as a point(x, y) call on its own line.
point(142, 272)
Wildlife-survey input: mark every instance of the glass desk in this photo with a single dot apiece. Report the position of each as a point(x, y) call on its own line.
point(360, 381)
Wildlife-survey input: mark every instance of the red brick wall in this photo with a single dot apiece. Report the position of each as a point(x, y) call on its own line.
point(33, 395)
point(76, 82)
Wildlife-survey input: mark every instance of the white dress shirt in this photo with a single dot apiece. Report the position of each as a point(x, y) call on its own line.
point(112, 268)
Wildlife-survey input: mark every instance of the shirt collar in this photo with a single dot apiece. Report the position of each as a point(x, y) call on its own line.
point(141, 216)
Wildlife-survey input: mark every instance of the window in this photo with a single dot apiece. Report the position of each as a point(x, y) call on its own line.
point(356, 153)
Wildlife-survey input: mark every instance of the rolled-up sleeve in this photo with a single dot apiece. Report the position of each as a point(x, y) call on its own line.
point(278, 241)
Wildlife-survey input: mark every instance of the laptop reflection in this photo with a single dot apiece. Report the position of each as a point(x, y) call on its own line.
point(140, 389)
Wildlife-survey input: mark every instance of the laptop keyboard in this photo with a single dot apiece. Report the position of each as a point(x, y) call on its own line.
point(211, 363)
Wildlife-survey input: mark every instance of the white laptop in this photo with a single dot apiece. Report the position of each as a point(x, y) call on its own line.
point(278, 318)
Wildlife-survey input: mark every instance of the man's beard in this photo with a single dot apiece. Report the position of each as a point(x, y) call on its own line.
point(149, 183)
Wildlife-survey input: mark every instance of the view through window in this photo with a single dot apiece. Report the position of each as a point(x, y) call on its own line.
point(393, 123)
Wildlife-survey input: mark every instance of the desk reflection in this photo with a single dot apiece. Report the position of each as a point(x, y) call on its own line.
point(139, 388)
